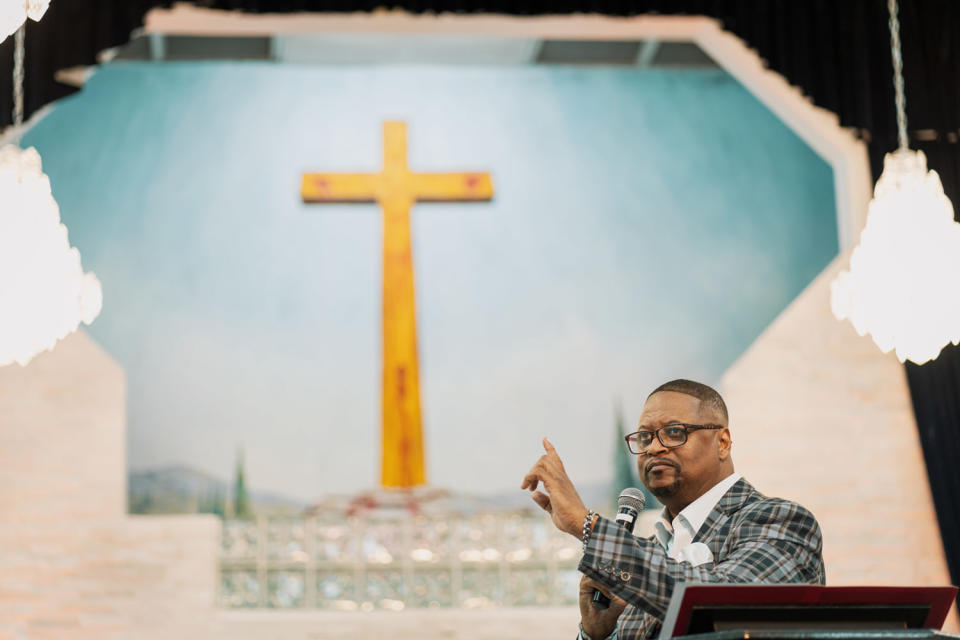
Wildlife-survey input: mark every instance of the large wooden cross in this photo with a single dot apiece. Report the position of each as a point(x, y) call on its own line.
point(396, 189)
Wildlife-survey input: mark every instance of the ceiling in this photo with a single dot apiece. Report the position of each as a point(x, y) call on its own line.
point(445, 49)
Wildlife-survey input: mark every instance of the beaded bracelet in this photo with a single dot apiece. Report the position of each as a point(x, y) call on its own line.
point(587, 527)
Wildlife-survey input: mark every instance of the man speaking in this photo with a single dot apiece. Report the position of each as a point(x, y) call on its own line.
point(715, 526)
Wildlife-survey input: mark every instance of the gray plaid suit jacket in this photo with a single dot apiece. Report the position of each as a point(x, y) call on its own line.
point(753, 538)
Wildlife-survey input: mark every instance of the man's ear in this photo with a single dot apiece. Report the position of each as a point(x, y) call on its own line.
point(724, 442)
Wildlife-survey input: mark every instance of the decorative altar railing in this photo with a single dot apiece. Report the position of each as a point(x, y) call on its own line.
point(365, 564)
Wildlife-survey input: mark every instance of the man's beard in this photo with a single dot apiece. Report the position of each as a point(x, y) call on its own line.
point(667, 491)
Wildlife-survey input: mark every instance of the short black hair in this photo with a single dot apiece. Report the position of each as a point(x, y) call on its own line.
point(707, 396)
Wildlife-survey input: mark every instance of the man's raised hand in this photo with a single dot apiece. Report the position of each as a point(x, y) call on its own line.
point(561, 499)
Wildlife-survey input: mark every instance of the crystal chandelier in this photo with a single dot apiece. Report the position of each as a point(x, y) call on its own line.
point(44, 293)
point(901, 286)
point(14, 13)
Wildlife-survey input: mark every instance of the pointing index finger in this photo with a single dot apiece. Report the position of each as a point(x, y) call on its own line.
point(551, 451)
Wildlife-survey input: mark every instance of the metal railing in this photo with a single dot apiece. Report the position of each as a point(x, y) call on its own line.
point(366, 564)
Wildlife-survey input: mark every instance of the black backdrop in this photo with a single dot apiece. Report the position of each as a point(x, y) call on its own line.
point(836, 52)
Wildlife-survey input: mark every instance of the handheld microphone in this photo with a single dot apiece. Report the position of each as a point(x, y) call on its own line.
point(629, 505)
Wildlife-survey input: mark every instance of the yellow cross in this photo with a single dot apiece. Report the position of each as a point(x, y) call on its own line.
point(396, 189)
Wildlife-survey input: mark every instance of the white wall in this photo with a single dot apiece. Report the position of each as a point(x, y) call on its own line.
point(72, 564)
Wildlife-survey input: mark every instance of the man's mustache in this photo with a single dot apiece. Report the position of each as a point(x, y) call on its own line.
point(649, 465)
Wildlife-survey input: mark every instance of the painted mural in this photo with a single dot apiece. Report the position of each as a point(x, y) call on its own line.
point(646, 225)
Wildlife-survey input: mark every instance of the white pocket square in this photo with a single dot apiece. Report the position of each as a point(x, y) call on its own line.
point(696, 554)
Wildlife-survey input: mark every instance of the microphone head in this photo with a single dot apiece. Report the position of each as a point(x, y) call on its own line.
point(632, 498)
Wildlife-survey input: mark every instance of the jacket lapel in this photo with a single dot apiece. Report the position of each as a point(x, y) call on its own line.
point(712, 531)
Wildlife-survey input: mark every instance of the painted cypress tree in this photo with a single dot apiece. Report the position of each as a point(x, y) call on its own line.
point(622, 461)
point(624, 464)
point(241, 503)
point(218, 507)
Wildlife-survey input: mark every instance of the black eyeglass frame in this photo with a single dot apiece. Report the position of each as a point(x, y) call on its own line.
point(687, 428)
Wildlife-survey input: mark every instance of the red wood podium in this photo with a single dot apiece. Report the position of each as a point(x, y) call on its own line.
point(784, 612)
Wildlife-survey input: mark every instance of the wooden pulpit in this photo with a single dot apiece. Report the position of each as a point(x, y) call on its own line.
point(805, 612)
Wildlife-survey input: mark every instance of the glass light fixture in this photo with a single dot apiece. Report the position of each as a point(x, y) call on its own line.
point(902, 285)
point(14, 13)
point(44, 293)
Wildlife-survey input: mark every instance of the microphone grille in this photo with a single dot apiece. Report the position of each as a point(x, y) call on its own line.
point(632, 498)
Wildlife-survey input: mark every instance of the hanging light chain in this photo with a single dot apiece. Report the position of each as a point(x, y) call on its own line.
point(18, 54)
point(900, 97)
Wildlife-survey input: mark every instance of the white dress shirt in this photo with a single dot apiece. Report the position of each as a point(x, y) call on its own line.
point(676, 536)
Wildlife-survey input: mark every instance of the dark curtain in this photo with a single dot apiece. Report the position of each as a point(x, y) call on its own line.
point(935, 389)
point(836, 52)
point(71, 33)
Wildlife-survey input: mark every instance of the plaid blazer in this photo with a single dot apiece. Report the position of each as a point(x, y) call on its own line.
point(753, 538)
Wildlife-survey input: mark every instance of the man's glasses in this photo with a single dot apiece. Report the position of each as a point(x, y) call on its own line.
point(670, 436)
